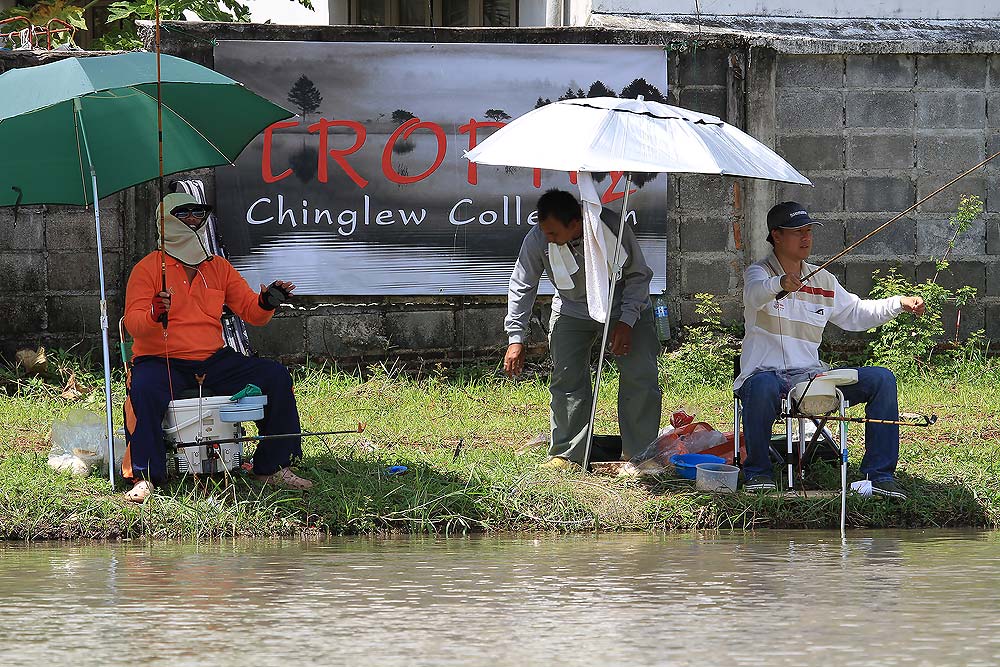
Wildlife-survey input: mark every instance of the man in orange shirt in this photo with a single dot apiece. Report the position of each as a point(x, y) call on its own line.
point(166, 359)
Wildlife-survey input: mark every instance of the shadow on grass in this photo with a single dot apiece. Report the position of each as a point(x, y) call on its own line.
point(929, 504)
point(351, 495)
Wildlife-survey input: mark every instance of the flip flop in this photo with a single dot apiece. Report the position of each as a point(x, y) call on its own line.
point(285, 477)
point(142, 490)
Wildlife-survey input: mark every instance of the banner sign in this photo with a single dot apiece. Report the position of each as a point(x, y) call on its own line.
point(367, 191)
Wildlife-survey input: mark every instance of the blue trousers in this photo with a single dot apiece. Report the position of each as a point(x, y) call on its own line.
point(761, 396)
point(226, 372)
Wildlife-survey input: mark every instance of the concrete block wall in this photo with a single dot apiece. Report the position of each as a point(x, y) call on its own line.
point(875, 133)
point(51, 289)
point(704, 244)
point(872, 131)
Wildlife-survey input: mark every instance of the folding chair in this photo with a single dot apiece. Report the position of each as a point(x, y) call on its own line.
point(806, 451)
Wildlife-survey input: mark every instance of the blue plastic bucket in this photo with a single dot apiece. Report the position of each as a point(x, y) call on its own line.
point(687, 464)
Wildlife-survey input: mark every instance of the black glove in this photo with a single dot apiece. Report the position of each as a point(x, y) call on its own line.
point(272, 296)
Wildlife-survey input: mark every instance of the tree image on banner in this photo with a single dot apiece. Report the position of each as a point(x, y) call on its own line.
point(400, 116)
point(403, 146)
point(304, 163)
point(497, 115)
point(644, 88)
point(305, 96)
point(599, 89)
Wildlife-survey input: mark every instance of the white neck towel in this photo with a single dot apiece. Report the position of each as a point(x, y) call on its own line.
point(563, 265)
point(599, 244)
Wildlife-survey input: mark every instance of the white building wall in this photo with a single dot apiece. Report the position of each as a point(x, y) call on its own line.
point(892, 9)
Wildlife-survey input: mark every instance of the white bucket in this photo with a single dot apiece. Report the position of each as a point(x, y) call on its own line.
point(189, 419)
point(719, 477)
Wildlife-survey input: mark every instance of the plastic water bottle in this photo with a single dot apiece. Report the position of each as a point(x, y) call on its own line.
point(662, 318)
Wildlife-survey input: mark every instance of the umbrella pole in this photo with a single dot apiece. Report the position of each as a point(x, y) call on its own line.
point(607, 325)
point(104, 302)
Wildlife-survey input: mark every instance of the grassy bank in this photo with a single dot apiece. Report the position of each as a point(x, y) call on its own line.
point(951, 470)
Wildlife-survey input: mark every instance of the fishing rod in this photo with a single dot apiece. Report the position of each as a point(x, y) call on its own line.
point(159, 144)
point(782, 294)
point(922, 421)
point(248, 438)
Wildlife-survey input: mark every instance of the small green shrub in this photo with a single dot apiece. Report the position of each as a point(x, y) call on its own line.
point(909, 344)
point(706, 355)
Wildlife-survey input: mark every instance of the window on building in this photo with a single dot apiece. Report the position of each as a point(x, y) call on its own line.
point(443, 13)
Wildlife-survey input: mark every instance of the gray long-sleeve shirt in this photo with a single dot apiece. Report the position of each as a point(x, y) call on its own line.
point(631, 292)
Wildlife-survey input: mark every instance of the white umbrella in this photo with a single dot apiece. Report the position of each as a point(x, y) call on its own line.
point(600, 134)
point(613, 134)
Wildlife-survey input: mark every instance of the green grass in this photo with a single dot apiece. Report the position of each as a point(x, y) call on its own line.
point(417, 419)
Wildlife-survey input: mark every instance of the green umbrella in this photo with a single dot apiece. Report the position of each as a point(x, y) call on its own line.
point(80, 129)
point(208, 119)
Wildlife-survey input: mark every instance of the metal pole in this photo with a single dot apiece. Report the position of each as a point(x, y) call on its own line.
point(788, 449)
point(736, 431)
point(607, 325)
point(104, 301)
point(843, 469)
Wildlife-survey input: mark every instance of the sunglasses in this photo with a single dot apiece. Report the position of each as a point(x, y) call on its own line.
point(198, 214)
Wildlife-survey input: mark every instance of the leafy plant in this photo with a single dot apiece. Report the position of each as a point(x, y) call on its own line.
point(706, 355)
point(970, 208)
point(908, 343)
point(40, 13)
point(125, 13)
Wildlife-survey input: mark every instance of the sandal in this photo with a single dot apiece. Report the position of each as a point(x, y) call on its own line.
point(142, 490)
point(285, 477)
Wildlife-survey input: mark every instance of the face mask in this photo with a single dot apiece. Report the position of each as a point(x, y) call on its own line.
point(180, 241)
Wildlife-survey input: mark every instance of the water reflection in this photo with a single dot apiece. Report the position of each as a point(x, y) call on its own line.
point(905, 598)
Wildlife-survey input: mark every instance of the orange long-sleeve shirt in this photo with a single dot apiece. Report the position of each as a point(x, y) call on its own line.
point(194, 330)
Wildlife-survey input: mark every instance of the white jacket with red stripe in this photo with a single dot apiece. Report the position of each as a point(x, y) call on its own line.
point(786, 334)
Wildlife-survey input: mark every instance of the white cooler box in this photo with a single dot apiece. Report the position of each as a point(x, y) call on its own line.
point(190, 420)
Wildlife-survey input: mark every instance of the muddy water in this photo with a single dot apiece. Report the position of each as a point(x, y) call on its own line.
point(770, 598)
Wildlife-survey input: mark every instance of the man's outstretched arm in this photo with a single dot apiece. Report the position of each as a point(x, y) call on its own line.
point(521, 293)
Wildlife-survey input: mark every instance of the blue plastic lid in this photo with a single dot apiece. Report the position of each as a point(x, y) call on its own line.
point(692, 460)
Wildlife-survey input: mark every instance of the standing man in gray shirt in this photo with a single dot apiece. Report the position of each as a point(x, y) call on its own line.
point(572, 333)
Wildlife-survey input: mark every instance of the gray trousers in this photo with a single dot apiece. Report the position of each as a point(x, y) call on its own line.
point(571, 342)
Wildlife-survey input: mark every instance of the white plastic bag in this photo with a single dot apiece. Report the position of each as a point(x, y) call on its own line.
point(79, 442)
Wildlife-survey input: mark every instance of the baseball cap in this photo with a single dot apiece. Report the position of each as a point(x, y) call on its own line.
point(788, 215)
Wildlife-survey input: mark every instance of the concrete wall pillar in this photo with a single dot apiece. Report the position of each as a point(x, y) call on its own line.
point(761, 122)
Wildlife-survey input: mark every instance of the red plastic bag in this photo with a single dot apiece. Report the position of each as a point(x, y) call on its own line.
point(680, 418)
point(725, 450)
point(690, 438)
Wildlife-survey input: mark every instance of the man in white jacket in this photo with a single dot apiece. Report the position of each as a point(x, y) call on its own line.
point(784, 335)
